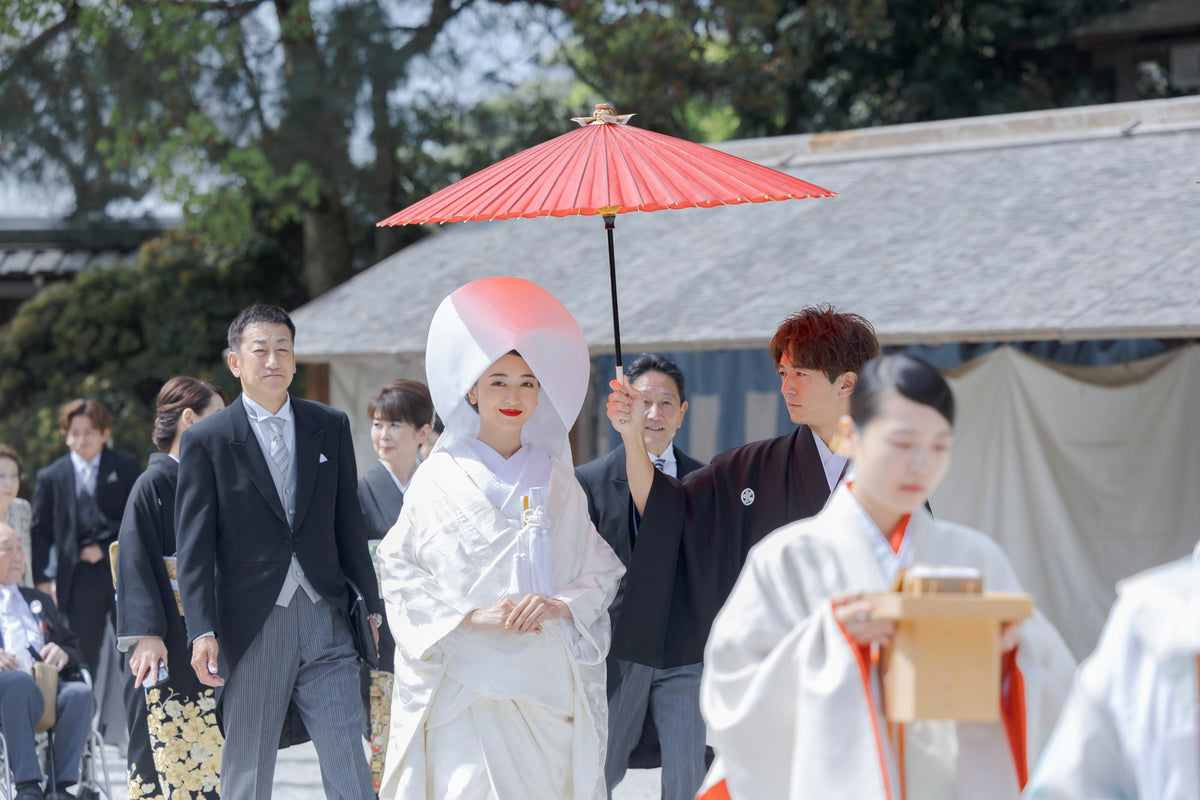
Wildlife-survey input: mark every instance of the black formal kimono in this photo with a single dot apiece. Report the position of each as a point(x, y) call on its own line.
point(697, 535)
point(381, 501)
point(147, 606)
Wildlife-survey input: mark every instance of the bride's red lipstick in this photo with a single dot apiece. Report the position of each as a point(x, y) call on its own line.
point(510, 412)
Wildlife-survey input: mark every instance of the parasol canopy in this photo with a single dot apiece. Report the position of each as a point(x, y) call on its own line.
point(606, 167)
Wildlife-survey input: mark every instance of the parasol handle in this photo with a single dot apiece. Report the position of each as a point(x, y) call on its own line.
point(610, 221)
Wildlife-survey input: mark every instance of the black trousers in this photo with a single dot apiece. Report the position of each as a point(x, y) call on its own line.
point(91, 605)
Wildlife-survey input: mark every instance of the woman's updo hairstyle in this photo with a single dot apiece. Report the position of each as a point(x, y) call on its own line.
point(176, 395)
point(912, 377)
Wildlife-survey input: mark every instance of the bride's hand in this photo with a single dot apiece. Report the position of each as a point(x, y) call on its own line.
point(492, 618)
point(528, 615)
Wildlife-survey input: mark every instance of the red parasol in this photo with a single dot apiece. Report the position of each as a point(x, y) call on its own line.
point(606, 167)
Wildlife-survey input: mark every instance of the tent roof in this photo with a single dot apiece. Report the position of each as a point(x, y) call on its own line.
point(1069, 224)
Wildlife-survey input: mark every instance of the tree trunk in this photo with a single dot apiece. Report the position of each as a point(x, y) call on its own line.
point(327, 250)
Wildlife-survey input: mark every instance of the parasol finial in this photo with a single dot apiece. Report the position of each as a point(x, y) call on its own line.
point(604, 114)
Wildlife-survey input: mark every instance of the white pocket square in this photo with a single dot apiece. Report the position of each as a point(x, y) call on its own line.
point(323, 459)
point(112, 478)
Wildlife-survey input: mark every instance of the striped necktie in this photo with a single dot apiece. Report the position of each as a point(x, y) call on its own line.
point(88, 483)
point(279, 451)
point(660, 463)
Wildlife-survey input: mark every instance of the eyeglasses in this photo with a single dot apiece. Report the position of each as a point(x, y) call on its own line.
point(10, 476)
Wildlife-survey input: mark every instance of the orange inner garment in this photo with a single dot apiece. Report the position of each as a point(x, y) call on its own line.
point(896, 537)
point(1013, 711)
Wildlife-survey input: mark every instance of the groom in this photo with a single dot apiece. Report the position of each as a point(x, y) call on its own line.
point(269, 530)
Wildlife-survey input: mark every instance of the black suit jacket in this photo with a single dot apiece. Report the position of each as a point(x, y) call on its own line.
point(54, 630)
point(234, 542)
point(381, 500)
point(696, 536)
point(55, 514)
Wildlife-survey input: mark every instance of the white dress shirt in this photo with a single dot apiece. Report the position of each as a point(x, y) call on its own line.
point(670, 465)
point(18, 626)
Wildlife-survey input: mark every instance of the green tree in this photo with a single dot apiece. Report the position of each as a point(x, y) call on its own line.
point(116, 334)
point(795, 66)
point(280, 116)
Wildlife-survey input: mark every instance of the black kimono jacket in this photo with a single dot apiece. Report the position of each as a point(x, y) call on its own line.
point(697, 535)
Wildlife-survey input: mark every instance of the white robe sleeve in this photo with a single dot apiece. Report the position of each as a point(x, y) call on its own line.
point(424, 615)
point(591, 592)
point(1085, 757)
point(769, 665)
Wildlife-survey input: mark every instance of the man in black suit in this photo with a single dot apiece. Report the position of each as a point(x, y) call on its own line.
point(78, 503)
point(269, 530)
point(700, 530)
point(653, 714)
point(30, 629)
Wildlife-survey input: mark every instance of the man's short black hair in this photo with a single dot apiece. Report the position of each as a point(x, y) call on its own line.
point(272, 315)
point(657, 362)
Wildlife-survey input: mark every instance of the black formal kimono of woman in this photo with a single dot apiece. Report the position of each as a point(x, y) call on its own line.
point(167, 721)
point(381, 501)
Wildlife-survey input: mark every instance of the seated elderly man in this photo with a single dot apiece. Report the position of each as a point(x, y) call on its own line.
point(30, 630)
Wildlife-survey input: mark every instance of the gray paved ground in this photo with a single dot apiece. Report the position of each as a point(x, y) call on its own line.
point(297, 777)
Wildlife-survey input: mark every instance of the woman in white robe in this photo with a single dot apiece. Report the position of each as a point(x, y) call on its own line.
point(499, 612)
point(1131, 726)
point(790, 693)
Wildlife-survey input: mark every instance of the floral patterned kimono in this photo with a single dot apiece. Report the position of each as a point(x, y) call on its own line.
point(174, 742)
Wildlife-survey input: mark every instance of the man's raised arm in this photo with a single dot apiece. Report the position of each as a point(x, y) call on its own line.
point(627, 413)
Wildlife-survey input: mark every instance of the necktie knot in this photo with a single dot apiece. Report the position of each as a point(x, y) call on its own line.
point(660, 463)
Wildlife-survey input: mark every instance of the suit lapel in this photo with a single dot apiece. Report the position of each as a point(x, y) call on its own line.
point(71, 491)
point(685, 463)
point(102, 472)
point(309, 436)
point(249, 455)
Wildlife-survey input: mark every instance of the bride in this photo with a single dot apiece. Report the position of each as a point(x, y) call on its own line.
point(496, 583)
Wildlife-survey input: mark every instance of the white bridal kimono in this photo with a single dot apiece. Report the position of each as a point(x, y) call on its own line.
point(492, 714)
point(1131, 726)
point(786, 697)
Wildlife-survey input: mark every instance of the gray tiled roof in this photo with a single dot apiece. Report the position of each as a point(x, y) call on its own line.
point(19, 261)
point(1051, 225)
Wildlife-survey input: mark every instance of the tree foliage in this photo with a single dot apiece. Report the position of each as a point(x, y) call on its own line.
point(794, 66)
point(306, 121)
point(117, 334)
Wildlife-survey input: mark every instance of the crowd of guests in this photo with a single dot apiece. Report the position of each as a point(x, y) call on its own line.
point(547, 627)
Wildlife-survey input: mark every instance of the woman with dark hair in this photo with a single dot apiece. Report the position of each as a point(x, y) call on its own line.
point(790, 691)
point(14, 510)
point(400, 418)
point(174, 743)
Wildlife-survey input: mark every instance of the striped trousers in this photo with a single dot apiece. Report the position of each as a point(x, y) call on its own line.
point(304, 653)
